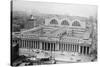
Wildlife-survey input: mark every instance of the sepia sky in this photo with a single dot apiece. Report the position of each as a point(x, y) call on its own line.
point(55, 8)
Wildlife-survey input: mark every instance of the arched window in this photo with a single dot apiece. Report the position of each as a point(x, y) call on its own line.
point(76, 23)
point(64, 22)
point(54, 21)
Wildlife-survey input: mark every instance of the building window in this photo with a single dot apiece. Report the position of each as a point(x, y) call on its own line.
point(54, 21)
point(76, 23)
point(64, 22)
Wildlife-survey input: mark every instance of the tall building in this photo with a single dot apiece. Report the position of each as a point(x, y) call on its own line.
point(31, 22)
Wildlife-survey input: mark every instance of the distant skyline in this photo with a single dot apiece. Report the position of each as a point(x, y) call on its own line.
point(55, 8)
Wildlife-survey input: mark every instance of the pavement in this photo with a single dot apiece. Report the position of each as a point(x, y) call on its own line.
point(63, 56)
point(71, 57)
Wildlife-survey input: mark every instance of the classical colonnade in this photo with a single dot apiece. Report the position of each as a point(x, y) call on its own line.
point(53, 46)
point(29, 44)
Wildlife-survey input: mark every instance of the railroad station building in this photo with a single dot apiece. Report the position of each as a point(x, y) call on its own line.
point(57, 34)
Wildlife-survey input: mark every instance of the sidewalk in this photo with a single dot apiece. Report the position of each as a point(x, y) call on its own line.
point(71, 57)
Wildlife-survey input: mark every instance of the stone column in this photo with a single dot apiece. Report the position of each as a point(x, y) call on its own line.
point(35, 44)
point(43, 45)
point(32, 44)
point(22, 44)
point(57, 46)
point(79, 49)
point(82, 49)
point(46, 45)
point(67, 46)
point(61, 46)
point(52, 47)
point(72, 47)
point(75, 47)
point(27, 43)
point(40, 47)
point(86, 50)
point(49, 46)
point(38, 44)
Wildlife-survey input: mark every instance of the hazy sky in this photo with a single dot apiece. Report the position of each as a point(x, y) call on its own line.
point(55, 8)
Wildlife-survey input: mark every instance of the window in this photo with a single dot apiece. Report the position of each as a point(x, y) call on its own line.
point(76, 23)
point(64, 22)
point(54, 21)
